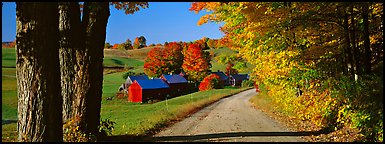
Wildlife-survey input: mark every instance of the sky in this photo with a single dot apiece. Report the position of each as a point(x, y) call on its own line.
point(160, 22)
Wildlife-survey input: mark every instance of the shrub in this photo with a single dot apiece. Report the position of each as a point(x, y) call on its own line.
point(247, 83)
point(106, 127)
point(210, 82)
point(121, 95)
point(72, 133)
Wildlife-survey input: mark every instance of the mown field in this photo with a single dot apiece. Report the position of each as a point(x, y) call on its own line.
point(131, 118)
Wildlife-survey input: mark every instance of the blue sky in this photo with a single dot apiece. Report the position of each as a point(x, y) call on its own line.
point(161, 22)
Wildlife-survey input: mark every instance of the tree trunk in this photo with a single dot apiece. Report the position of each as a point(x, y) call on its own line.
point(368, 52)
point(95, 39)
point(37, 72)
point(356, 52)
point(69, 27)
point(349, 56)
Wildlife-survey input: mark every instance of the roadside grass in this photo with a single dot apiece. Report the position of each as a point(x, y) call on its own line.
point(8, 104)
point(136, 119)
point(9, 97)
point(9, 132)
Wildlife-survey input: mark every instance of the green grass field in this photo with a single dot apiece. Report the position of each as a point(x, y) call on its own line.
point(8, 57)
point(130, 118)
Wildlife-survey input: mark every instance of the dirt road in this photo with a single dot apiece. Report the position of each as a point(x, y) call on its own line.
point(230, 119)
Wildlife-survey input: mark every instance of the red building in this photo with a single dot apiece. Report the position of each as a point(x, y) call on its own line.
point(145, 90)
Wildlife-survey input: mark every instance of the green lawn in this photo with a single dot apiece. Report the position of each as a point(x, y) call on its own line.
point(8, 57)
point(119, 61)
point(9, 97)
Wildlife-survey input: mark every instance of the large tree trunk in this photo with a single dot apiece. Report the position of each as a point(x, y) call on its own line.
point(95, 39)
point(368, 52)
point(89, 56)
point(69, 27)
point(37, 72)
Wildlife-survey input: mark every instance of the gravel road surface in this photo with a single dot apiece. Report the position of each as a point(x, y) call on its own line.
point(231, 119)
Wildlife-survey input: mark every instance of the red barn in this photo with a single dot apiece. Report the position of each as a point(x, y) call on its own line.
point(145, 90)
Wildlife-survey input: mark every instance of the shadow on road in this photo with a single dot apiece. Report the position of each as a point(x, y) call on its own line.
point(216, 135)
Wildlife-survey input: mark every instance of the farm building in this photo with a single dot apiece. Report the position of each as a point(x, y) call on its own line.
point(145, 90)
point(178, 84)
point(236, 79)
point(222, 77)
point(183, 74)
point(130, 80)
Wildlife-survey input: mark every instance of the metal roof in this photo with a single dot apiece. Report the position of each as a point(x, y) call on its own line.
point(131, 79)
point(240, 76)
point(152, 84)
point(175, 78)
point(221, 75)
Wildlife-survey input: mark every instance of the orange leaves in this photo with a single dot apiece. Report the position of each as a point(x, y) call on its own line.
point(162, 61)
point(196, 62)
point(210, 82)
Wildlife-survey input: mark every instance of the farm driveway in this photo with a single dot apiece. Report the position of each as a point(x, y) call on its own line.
point(230, 119)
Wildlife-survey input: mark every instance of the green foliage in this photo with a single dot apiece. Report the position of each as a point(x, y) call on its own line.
point(107, 46)
point(106, 127)
point(126, 45)
point(247, 83)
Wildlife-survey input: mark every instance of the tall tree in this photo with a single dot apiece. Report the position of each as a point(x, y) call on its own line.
point(142, 41)
point(37, 72)
point(154, 65)
point(366, 34)
point(173, 57)
point(196, 63)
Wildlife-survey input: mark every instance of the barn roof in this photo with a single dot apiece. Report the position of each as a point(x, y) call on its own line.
point(240, 76)
point(152, 84)
point(221, 75)
point(175, 78)
point(138, 77)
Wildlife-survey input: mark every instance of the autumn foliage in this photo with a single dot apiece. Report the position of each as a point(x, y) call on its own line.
point(210, 82)
point(154, 64)
point(331, 51)
point(230, 70)
point(164, 60)
point(196, 62)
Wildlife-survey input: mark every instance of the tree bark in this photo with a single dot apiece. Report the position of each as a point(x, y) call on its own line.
point(37, 72)
point(69, 27)
point(356, 54)
point(349, 59)
point(368, 52)
point(95, 39)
